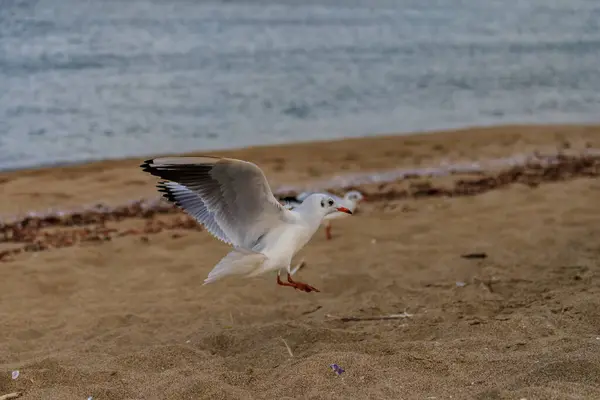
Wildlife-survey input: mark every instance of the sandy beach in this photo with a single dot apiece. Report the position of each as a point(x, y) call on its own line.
point(495, 294)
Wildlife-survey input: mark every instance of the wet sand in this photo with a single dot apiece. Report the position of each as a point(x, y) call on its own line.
point(500, 286)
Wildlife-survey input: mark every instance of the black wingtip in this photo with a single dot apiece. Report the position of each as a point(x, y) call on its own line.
point(146, 164)
point(176, 172)
point(167, 194)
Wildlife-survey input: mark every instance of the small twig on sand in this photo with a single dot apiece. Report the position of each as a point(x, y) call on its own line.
point(376, 318)
point(474, 255)
point(11, 396)
point(312, 311)
point(287, 347)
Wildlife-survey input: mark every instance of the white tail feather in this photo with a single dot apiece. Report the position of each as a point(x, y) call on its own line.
point(237, 262)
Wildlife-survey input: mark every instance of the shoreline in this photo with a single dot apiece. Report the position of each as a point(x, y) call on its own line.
point(413, 134)
point(367, 160)
point(118, 181)
point(440, 134)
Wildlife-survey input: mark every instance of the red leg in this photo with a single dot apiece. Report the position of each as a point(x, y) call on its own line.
point(328, 231)
point(281, 283)
point(302, 286)
point(296, 285)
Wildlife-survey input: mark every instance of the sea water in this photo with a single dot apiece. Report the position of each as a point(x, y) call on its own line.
point(83, 80)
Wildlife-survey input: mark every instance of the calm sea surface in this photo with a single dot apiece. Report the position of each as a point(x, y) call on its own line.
point(83, 79)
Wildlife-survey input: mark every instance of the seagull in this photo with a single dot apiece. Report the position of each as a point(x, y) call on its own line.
point(350, 201)
point(234, 202)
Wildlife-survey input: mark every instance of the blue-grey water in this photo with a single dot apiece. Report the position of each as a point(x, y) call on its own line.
point(93, 79)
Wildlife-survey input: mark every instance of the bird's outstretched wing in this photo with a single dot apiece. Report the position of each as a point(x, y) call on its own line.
point(230, 197)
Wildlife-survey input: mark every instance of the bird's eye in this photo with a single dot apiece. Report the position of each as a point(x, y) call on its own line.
point(322, 203)
point(330, 202)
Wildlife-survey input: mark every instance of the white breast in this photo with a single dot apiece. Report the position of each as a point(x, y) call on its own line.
point(283, 242)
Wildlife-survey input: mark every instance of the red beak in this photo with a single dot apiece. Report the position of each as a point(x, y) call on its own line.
point(344, 210)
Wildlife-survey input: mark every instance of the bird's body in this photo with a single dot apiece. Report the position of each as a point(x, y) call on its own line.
point(281, 244)
point(350, 201)
point(234, 202)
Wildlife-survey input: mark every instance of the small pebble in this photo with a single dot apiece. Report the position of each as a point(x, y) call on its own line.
point(460, 284)
point(15, 374)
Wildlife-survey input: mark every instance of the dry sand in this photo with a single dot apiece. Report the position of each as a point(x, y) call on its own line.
point(129, 319)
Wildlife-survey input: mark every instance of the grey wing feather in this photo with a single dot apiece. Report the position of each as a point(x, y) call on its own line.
point(235, 194)
point(191, 203)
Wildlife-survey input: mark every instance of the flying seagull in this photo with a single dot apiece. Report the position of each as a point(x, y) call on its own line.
point(234, 202)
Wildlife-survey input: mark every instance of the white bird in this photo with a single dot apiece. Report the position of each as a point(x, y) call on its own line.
point(234, 202)
point(350, 201)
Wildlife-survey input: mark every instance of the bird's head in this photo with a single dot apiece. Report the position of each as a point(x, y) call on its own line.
point(354, 196)
point(324, 204)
